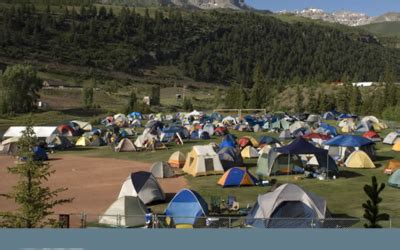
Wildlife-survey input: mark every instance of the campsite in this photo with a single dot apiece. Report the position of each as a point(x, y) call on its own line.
point(98, 174)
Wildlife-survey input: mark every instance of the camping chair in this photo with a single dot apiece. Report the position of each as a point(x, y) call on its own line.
point(232, 204)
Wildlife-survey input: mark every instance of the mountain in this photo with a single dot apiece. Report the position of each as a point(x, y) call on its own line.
point(198, 4)
point(344, 17)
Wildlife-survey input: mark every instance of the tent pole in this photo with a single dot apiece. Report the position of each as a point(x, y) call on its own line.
point(287, 179)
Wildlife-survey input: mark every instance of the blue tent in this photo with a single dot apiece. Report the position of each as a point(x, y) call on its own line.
point(231, 139)
point(236, 177)
point(349, 141)
point(136, 115)
point(186, 207)
point(328, 128)
point(345, 116)
point(329, 116)
point(40, 154)
point(227, 143)
point(229, 157)
point(204, 135)
point(265, 139)
point(194, 135)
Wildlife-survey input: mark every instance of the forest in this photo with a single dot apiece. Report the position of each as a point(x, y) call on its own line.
point(212, 46)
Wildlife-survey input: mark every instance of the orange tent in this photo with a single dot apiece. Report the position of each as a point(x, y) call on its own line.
point(392, 166)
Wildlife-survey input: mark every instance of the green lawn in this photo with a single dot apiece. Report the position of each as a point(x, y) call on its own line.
point(344, 195)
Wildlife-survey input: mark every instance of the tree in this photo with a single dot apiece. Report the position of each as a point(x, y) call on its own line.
point(257, 95)
point(19, 89)
point(132, 103)
point(35, 200)
point(87, 95)
point(371, 206)
point(187, 104)
point(217, 97)
point(299, 100)
point(155, 95)
point(355, 100)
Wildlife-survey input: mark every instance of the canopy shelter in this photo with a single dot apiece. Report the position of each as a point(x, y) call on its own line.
point(288, 206)
point(351, 143)
point(300, 146)
point(40, 132)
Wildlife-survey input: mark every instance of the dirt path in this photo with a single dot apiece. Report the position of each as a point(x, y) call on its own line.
point(93, 182)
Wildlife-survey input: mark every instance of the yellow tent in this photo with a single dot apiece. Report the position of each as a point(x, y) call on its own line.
point(249, 152)
point(253, 141)
point(203, 160)
point(347, 129)
point(396, 147)
point(392, 166)
point(177, 159)
point(359, 159)
point(83, 141)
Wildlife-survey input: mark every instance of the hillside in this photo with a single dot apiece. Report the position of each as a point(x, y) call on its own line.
point(209, 46)
point(388, 32)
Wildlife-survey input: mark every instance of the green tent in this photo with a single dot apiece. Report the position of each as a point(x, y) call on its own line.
point(394, 179)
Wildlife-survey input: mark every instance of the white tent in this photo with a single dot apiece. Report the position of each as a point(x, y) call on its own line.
point(127, 211)
point(40, 132)
point(391, 138)
point(85, 126)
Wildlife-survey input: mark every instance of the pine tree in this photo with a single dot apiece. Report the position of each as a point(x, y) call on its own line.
point(87, 95)
point(371, 206)
point(299, 107)
point(155, 95)
point(35, 200)
point(355, 100)
point(187, 104)
point(132, 103)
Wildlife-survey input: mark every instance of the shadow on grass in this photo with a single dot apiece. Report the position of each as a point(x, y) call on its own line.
point(382, 158)
point(349, 174)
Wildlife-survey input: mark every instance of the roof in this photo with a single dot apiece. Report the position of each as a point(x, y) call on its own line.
point(39, 131)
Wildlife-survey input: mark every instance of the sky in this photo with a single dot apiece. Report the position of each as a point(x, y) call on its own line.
point(370, 7)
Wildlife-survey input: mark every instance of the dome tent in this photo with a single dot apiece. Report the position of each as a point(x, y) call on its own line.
point(359, 159)
point(143, 185)
point(177, 159)
point(127, 211)
point(394, 179)
point(187, 207)
point(236, 177)
point(125, 145)
point(161, 170)
point(280, 208)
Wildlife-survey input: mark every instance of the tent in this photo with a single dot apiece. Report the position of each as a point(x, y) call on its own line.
point(392, 138)
point(359, 159)
point(328, 129)
point(394, 179)
point(396, 147)
point(162, 170)
point(125, 145)
point(220, 131)
point(187, 207)
point(298, 125)
point(268, 140)
point(209, 128)
point(177, 160)
point(40, 154)
point(230, 157)
point(65, 130)
point(329, 116)
point(96, 141)
point(288, 206)
point(204, 135)
point(40, 132)
point(314, 118)
point(227, 143)
point(275, 163)
point(229, 120)
point(9, 146)
point(143, 185)
point(83, 142)
point(202, 160)
point(392, 166)
point(372, 135)
point(127, 211)
point(244, 142)
point(285, 134)
point(236, 177)
point(249, 152)
point(80, 125)
point(58, 142)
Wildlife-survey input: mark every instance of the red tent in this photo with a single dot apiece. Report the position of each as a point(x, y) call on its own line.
point(317, 136)
point(243, 142)
point(220, 131)
point(372, 135)
point(66, 130)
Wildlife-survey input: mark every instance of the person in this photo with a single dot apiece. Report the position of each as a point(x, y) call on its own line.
point(148, 217)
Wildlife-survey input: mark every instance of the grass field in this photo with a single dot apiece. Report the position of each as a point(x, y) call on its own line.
point(344, 195)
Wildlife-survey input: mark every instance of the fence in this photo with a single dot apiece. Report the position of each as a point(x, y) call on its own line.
point(84, 220)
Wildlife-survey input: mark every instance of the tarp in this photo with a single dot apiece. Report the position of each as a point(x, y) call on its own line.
point(40, 132)
point(300, 146)
point(186, 207)
point(349, 141)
